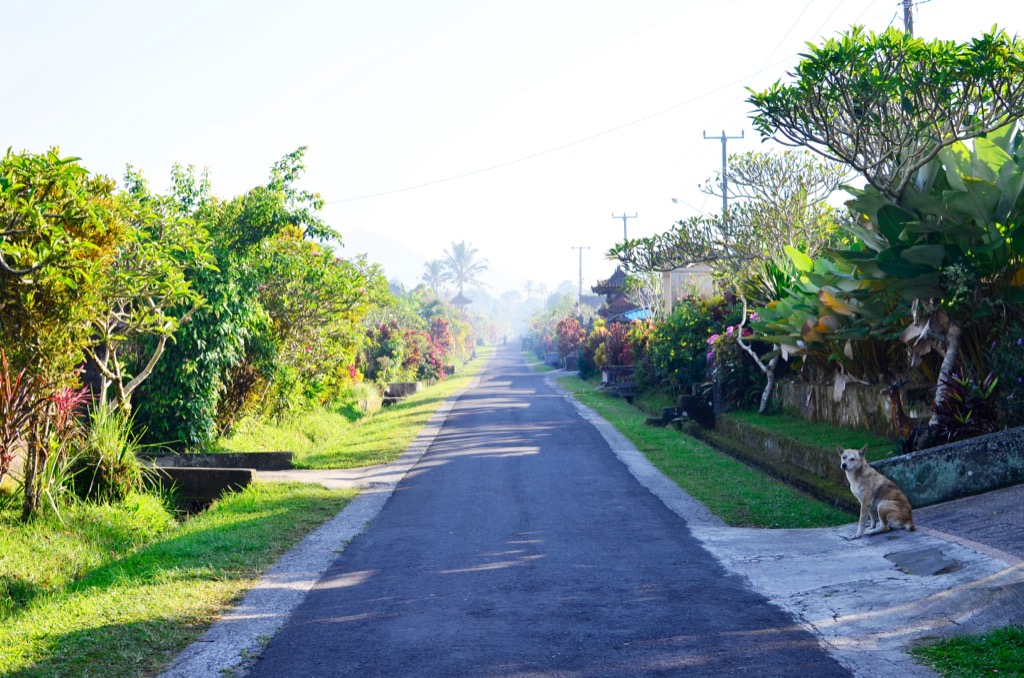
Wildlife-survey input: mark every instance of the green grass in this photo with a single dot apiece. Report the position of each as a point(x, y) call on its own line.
point(119, 591)
point(997, 653)
point(738, 494)
point(535, 363)
point(325, 439)
point(818, 434)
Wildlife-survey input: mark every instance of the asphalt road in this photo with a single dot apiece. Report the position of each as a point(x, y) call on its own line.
point(519, 545)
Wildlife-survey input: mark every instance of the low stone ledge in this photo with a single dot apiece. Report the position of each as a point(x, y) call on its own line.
point(261, 461)
point(959, 469)
point(200, 487)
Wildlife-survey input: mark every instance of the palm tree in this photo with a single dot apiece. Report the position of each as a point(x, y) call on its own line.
point(462, 264)
point(529, 287)
point(435, 275)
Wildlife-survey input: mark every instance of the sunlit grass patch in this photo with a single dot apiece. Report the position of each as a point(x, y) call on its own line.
point(140, 587)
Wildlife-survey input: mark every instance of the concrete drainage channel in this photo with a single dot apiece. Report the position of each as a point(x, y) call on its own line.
point(199, 479)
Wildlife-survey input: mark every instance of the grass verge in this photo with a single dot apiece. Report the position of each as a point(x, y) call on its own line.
point(325, 439)
point(735, 492)
point(120, 590)
point(997, 653)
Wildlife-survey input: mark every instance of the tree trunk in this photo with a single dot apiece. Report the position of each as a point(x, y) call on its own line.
point(769, 388)
point(33, 458)
point(953, 334)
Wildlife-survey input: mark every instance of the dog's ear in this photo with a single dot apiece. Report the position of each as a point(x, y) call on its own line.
point(863, 450)
point(839, 448)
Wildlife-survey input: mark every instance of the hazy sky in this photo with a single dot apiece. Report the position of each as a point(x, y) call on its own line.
point(520, 126)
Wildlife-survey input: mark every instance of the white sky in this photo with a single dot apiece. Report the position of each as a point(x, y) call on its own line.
point(391, 94)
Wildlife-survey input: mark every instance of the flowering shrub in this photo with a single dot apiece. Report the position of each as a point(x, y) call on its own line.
point(589, 349)
point(678, 347)
point(738, 380)
point(569, 336)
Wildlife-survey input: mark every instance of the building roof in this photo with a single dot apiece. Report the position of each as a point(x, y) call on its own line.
point(460, 300)
point(612, 284)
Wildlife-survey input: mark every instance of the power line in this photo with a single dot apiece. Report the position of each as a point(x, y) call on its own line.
point(555, 149)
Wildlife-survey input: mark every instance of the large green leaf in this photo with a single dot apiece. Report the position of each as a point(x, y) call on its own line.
point(892, 221)
point(957, 161)
point(802, 262)
point(927, 255)
point(978, 202)
point(988, 160)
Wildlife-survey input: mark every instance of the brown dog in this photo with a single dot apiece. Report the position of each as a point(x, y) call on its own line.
point(881, 501)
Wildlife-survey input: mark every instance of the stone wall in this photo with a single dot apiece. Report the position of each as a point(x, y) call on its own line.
point(861, 406)
point(959, 469)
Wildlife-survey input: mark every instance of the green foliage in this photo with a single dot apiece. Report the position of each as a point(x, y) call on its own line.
point(121, 591)
point(282, 321)
point(968, 410)
point(59, 232)
point(738, 380)
point(1006, 360)
point(679, 344)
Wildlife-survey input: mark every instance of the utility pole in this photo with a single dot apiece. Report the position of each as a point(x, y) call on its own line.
point(908, 17)
point(725, 182)
point(579, 299)
point(623, 216)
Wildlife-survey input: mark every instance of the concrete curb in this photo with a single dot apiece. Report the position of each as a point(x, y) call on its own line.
point(234, 641)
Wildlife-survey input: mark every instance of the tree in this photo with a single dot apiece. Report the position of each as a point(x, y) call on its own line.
point(231, 338)
point(886, 104)
point(463, 266)
point(146, 281)
point(60, 230)
point(435, 274)
point(780, 201)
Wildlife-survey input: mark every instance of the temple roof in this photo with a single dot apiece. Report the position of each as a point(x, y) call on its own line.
point(612, 284)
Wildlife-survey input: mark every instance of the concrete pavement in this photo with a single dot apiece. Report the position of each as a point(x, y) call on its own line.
point(866, 600)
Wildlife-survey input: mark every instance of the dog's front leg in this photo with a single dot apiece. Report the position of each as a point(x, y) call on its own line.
point(862, 521)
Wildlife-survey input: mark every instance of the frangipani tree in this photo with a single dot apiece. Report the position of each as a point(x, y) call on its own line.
point(885, 104)
point(779, 201)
